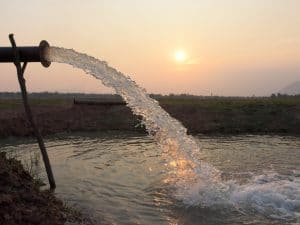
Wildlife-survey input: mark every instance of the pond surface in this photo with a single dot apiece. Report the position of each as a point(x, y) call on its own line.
point(120, 178)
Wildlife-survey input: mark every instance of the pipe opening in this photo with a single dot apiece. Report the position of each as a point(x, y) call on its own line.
point(27, 54)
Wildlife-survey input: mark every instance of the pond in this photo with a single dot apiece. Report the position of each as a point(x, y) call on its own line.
point(120, 178)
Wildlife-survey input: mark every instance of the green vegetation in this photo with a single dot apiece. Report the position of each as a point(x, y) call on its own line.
point(227, 102)
point(17, 103)
point(10, 103)
point(200, 114)
point(275, 114)
point(13, 100)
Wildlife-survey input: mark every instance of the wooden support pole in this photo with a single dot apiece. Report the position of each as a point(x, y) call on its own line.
point(20, 72)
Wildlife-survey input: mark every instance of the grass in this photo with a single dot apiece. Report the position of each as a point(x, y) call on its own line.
point(236, 114)
point(225, 102)
point(277, 114)
point(217, 102)
point(17, 103)
point(10, 103)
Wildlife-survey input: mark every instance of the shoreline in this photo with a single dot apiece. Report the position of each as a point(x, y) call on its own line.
point(23, 202)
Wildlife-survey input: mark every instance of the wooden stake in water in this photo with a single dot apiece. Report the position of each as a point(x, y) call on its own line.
point(20, 72)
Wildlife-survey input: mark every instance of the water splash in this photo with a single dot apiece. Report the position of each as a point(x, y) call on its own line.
point(276, 196)
point(196, 183)
point(271, 194)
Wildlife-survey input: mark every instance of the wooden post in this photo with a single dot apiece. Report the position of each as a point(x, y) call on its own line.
point(20, 72)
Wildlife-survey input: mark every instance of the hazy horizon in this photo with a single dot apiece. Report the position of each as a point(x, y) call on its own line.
point(223, 47)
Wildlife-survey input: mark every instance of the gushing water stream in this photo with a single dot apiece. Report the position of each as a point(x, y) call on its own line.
point(195, 182)
point(167, 131)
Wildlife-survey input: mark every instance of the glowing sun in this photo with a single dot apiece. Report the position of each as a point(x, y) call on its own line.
point(180, 56)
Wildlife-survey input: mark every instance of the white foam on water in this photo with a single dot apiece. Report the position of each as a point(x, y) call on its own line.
point(272, 195)
point(196, 183)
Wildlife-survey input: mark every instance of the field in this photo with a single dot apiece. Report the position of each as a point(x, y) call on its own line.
point(211, 115)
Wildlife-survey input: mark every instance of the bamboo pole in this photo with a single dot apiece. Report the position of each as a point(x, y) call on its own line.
point(21, 79)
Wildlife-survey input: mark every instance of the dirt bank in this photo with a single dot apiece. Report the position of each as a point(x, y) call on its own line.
point(22, 202)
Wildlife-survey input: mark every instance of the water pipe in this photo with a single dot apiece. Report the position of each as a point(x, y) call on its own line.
point(26, 54)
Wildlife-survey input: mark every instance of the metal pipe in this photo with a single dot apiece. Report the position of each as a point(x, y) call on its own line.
point(27, 54)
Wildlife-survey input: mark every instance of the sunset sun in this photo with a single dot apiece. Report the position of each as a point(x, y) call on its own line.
point(180, 56)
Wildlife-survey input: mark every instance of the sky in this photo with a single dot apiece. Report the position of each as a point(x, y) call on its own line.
point(229, 47)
